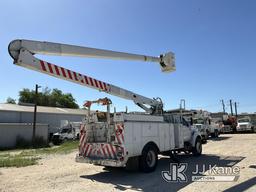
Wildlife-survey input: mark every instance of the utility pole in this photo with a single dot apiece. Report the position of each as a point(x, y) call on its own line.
point(223, 106)
point(35, 110)
point(236, 109)
point(182, 104)
point(182, 107)
point(231, 107)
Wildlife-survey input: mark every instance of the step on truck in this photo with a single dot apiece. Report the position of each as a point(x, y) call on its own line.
point(115, 139)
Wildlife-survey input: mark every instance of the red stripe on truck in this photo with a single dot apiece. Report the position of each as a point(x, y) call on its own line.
point(91, 81)
point(56, 69)
point(96, 83)
point(108, 151)
point(75, 76)
point(101, 85)
point(103, 150)
point(81, 78)
point(105, 86)
point(113, 151)
point(42, 65)
point(69, 74)
point(63, 71)
point(50, 67)
point(86, 80)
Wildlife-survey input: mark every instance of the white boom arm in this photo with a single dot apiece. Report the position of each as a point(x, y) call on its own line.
point(22, 51)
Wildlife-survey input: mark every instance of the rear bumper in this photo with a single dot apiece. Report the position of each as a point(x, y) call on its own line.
point(243, 128)
point(226, 129)
point(104, 162)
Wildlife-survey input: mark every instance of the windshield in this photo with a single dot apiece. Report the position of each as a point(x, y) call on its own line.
point(243, 120)
point(65, 130)
point(198, 121)
point(198, 126)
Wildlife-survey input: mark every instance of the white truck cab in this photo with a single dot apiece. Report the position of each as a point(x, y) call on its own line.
point(69, 131)
point(245, 124)
point(203, 131)
point(208, 126)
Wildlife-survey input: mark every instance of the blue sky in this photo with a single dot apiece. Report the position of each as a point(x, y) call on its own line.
point(214, 43)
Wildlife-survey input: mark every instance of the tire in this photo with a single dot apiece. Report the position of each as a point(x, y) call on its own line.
point(149, 159)
point(204, 141)
point(197, 149)
point(207, 134)
point(132, 164)
point(56, 142)
point(216, 132)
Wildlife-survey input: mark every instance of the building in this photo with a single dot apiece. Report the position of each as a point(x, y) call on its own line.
point(52, 116)
point(13, 133)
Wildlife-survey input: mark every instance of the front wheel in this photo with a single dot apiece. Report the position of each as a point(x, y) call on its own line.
point(148, 159)
point(197, 149)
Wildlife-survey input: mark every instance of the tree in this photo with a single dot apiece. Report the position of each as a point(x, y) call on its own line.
point(26, 96)
point(48, 97)
point(10, 100)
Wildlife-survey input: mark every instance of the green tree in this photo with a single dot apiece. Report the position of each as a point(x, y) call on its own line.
point(26, 96)
point(10, 100)
point(48, 97)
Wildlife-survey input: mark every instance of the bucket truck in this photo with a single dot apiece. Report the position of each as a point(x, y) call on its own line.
point(119, 138)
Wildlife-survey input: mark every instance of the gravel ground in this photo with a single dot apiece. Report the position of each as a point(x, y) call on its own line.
point(62, 173)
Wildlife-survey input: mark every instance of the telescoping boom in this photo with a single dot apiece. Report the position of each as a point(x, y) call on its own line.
point(23, 51)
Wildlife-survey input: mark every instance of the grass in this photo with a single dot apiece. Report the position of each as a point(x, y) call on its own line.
point(21, 158)
point(17, 161)
point(64, 148)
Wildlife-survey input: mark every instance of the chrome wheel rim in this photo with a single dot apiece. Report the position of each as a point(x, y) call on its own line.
point(151, 158)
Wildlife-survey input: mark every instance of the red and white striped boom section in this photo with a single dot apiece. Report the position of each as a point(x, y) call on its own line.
point(22, 51)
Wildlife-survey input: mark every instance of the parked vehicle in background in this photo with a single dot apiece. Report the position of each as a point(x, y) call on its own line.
point(204, 123)
point(229, 124)
point(214, 129)
point(245, 124)
point(203, 131)
point(69, 131)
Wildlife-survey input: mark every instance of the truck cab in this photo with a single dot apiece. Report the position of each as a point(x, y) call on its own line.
point(68, 131)
point(245, 124)
point(203, 131)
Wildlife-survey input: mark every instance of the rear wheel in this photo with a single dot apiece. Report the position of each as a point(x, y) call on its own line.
point(207, 134)
point(197, 149)
point(148, 159)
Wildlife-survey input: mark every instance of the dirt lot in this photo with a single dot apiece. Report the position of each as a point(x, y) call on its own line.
point(61, 173)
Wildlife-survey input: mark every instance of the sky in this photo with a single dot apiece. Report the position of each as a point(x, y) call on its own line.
point(214, 42)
